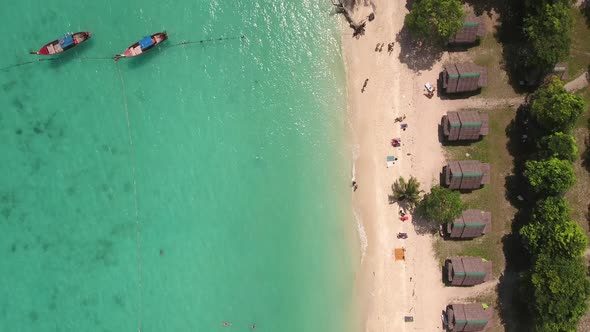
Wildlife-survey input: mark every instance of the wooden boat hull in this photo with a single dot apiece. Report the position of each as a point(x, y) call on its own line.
point(63, 44)
point(143, 45)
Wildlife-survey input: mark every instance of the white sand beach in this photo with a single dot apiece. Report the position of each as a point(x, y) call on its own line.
point(387, 289)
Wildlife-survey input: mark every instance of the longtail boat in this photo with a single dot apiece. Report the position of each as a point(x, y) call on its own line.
point(68, 41)
point(143, 45)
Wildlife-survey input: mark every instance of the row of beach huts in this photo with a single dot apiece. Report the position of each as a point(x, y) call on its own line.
point(466, 175)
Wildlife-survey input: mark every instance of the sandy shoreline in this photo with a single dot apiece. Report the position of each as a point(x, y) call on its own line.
point(388, 290)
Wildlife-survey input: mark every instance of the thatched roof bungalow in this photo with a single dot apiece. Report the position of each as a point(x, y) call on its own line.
point(471, 224)
point(466, 174)
point(471, 31)
point(465, 125)
point(468, 317)
point(467, 271)
point(463, 77)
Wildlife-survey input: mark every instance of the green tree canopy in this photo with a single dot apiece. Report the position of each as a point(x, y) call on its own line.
point(553, 209)
point(547, 27)
point(408, 191)
point(555, 109)
point(560, 146)
point(564, 238)
point(436, 20)
point(441, 205)
point(560, 289)
point(550, 177)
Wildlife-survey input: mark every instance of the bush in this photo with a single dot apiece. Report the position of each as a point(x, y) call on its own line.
point(547, 28)
point(555, 109)
point(549, 177)
point(564, 238)
point(560, 289)
point(441, 205)
point(560, 146)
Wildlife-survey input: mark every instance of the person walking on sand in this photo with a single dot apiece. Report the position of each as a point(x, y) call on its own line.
point(365, 85)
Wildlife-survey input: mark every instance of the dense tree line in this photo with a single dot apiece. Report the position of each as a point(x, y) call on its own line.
point(557, 284)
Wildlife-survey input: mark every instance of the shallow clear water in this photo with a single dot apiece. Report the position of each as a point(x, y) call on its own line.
point(193, 185)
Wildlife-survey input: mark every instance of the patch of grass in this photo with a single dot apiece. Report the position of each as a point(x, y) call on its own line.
point(492, 197)
point(579, 57)
point(489, 54)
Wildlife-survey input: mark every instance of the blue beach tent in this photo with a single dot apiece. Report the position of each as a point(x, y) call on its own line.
point(146, 42)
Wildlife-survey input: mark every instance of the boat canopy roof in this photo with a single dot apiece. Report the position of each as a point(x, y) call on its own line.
point(66, 41)
point(146, 42)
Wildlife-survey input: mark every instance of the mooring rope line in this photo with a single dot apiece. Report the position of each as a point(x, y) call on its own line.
point(26, 63)
point(137, 223)
point(164, 47)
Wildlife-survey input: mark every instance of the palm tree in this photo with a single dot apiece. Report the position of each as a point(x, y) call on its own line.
point(408, 191)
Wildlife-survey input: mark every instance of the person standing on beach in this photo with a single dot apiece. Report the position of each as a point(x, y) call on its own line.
point(365, 85)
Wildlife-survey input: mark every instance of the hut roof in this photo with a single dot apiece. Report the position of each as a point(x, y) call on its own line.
point(470, 317)
point(472, 223)
point(465, 125)
point(472, 29)
point(476, 75)
point(468, 271)
point(466, 168)
point(470, 266)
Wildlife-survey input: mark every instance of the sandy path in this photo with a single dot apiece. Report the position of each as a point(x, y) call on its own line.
point(389, 290)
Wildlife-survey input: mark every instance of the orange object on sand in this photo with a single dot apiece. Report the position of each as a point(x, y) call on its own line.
point(399, 254)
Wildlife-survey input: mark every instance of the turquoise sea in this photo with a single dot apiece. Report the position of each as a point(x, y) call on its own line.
point(194, 185)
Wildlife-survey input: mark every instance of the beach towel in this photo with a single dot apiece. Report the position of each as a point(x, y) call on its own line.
point(399, 254)
point(390, 161)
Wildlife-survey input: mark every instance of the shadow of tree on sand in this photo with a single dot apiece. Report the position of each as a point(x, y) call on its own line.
point(422, 226)
point(416, 54)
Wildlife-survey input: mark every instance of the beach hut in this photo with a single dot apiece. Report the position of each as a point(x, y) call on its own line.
point(463, 77)
point(466, 174)
point(471, 224)
point(467, 271)
point(465, 125)
point(468, 317)
point(470, 32)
